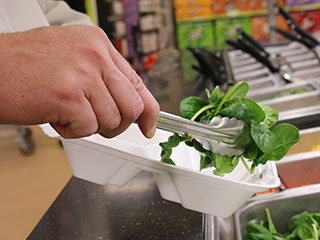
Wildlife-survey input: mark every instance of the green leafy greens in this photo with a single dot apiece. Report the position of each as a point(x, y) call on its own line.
point(303, 226)
point(261, 140)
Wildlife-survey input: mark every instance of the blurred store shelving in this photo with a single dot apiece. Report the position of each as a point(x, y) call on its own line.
point(142, 29)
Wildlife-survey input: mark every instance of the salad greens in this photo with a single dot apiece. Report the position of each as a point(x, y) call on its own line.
point(261, 140)
point(303, 226)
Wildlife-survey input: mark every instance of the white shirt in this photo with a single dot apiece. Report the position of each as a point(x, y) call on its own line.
point(21, 15)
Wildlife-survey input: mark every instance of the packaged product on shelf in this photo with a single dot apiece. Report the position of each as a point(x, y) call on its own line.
point(122, 46)
point(147, 22)
point(191, 3)
point(296, 3)
point(226, 7)
point(236, 7)
point(309, 20)
point(149, 5)
point(149, 42)
point(196, 34)
point(261, 29)
point(227, 29)
point(150, 59)
point(193, 12)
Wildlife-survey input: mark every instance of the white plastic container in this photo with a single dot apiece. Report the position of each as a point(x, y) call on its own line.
point(116, 161)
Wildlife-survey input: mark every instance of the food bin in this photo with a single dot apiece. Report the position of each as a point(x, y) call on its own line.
point(301, 109)
point(117, 160)
point(282, 207)
point(299, 173)
point(301, 165)
point(276, 95)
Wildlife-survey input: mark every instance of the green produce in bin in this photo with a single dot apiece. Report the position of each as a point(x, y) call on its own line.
point(302, 226)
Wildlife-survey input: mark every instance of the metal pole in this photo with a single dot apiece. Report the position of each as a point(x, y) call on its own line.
point(272, 20)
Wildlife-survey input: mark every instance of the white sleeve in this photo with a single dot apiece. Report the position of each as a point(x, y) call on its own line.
point(58, 13)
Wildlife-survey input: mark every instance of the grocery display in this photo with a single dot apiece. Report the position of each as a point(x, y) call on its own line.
point(209, 62)
point(284, 76)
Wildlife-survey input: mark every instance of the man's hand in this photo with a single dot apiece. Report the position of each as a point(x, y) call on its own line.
point(73, 78)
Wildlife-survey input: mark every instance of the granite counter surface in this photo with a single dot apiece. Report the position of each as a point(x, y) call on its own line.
point(135, 211)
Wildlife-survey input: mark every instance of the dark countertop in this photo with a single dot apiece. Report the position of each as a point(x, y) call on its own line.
point(135, 211)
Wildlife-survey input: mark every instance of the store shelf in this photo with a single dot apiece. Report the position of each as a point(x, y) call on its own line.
point(309, 7)
point(262, 12)
point(114, 18)
point(232, 14)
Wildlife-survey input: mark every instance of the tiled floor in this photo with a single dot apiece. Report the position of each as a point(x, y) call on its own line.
point(29, 184)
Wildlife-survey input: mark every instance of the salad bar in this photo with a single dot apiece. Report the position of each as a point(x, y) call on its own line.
point(251, 125)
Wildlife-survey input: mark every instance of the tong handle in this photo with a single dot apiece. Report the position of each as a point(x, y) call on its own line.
point(294, 26)
point(208, 64)
point(252, 41)
point(245, 46)
point(293, 37)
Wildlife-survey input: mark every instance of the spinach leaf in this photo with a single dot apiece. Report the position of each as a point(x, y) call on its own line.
point(239, 90)
point(271, 226)
point(307, 228)
point(259, 141)
point(278, 237)
point(243, 109)
point(257, 232)
point(263, 137)
point(206, 116)
point(285, 136)
point(225, 164)
point(190, 105)
point(271, 118)
point(303, 226)
point(294, 220)
point(172, 142)
point(206, 156)
point(251, 153)
point(205, 161)
point(316, 217)
point(215, 96)
point(204, 111)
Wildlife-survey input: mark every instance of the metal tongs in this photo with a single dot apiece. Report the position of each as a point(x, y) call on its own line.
point(275, 63)
point(301, 35)
point(220, 135)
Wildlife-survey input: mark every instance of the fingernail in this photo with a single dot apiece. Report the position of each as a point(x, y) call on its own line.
point(152, 131)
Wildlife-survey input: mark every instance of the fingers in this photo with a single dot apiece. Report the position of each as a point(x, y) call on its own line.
point(148, 118)
point(81, 121)
point(104, 107)
point(126, 97)
point(114, 96)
